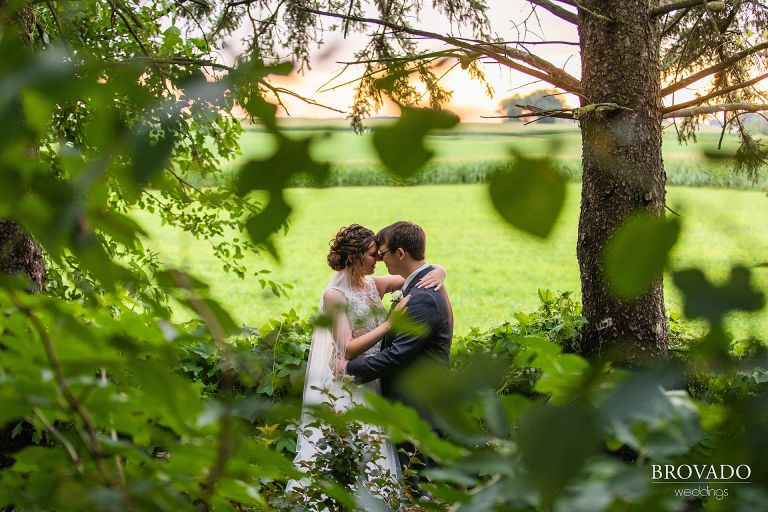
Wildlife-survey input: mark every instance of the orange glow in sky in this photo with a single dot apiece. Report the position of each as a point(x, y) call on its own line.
point(470, 100)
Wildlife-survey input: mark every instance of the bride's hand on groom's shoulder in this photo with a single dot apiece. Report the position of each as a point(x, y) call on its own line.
point(435, 279)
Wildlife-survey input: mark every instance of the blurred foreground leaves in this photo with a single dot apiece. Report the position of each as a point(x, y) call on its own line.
point(108, 404)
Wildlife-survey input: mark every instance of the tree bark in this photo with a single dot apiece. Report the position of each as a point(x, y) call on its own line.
point(19, 253)
point(623, 172)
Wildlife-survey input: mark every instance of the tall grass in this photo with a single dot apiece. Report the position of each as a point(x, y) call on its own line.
point(471, 153)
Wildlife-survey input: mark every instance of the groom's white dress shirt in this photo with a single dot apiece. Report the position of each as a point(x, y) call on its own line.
point(413, 274)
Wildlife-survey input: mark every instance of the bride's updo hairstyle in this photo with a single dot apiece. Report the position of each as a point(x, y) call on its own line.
point(349, 245)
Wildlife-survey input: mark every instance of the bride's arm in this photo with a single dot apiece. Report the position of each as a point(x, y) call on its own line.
point(342, 330)
point(335, 306)
point(388, 284)
point(357, 346)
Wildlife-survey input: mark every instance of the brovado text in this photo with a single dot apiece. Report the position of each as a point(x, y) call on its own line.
point(701, 472)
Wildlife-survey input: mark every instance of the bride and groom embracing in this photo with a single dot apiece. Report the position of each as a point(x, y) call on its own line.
point(361, 344)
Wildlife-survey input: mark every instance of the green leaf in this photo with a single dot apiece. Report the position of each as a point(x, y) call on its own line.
point(401, 145)
point(562, 374)
point(711, 302)
point(216, 318)
point(401, 323)
point(37, 110)
point(268, 222)
point(555, 442)
point(403, 423)
point(175, 278)
point(529, 195)
point(641, 414)
point(172, 38)
point(292, 158)
point(448, 402)
point(638, 252)
point(150, 154)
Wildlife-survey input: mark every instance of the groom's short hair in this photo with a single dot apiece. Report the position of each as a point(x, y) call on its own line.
point(404, 235)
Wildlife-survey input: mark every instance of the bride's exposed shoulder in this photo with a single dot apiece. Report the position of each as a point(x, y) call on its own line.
point(334, 297)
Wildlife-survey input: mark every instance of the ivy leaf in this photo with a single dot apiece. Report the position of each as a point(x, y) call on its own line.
point(638, 252)
point(529, 195)
point(711, 302)
point(401, 145)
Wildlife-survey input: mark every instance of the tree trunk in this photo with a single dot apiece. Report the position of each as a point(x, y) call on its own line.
point(623, 172)
point(19, 253)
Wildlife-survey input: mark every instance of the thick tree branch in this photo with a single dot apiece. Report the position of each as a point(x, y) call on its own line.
point(683, 4)
point(538, 115)
point(545, 70)
point(558, 11)
point(702, 99)
point(713, 109)
point(562, 113)
point(712, 69)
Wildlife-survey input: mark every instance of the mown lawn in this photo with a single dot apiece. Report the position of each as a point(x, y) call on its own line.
point(494, 270)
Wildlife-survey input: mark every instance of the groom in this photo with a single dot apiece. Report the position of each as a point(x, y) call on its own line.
point(402, 248)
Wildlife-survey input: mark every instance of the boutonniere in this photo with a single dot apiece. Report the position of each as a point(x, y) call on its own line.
point(397, 296)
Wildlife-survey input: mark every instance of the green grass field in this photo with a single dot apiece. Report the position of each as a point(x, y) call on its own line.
point(494, 270)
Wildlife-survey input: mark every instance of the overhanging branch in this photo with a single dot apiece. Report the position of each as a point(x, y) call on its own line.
point(683, 4)
point(713, 109)
point(558, 11)
point(536, 66)
point(707, 97)
point(712, 69)
point(562, 113)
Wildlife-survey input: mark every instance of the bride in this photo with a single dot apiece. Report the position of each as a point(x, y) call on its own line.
point(352, 300)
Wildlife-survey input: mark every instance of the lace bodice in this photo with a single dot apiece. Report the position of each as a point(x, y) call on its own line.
point(366, 312)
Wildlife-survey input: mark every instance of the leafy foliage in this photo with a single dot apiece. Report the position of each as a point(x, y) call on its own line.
point(122, 408)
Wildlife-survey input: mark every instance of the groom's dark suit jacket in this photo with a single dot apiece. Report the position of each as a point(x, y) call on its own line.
point(399, 351)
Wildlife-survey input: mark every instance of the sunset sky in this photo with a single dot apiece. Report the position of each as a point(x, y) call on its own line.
point(470, 100)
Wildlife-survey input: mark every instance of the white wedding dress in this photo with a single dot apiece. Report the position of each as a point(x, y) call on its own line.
point(365, 312)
